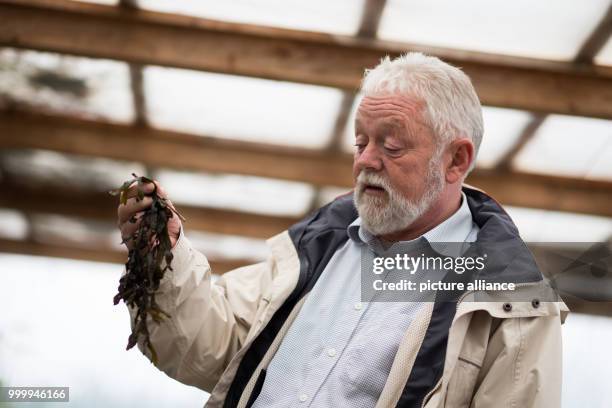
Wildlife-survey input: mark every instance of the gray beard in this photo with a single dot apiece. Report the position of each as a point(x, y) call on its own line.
point(386, 215)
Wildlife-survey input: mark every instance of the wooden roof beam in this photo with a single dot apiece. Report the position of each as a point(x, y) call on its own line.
point(103, 207)
point(181, 41)
point(159, 148)
point(531, 128)
point(597, 40)
point(189, 152)
point(370, 18)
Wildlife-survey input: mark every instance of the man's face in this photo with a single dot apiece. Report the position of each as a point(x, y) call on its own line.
point(396, 174)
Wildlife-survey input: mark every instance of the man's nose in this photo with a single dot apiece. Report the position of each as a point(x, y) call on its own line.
point(369, 158)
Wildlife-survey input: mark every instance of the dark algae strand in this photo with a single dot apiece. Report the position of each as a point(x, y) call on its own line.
point(150, 247)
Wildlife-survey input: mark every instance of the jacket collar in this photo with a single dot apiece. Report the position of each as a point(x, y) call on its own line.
point(498, 236)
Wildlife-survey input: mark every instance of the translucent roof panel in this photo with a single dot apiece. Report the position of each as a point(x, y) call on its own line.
point(569, 146)
point(240, 193)
point(91, 88)
point(602, 167)
point(74, 231)
point(550, 29)
point(336, 17)
point(241, 108)
point(66, 170)
point(13, 224)
point(554, 226)
point(502, 130)
point(605, 55)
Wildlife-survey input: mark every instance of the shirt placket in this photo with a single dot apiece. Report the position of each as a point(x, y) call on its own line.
point(332, 349)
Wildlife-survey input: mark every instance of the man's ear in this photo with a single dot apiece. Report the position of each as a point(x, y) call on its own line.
point(460, 153)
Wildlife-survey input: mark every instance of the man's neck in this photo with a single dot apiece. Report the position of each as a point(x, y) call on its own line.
point(446, 205)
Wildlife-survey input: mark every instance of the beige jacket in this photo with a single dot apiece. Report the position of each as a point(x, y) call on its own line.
point(223, 333)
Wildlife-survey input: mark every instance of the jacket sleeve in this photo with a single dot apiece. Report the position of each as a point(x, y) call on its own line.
point(522, 365)
point(209, 321)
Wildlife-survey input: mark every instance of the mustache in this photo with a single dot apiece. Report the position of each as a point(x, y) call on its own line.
point(372, 179)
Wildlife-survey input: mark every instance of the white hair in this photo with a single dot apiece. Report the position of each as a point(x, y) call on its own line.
point(452, 108)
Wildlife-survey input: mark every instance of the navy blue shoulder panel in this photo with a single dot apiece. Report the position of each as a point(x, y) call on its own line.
point(316, 239)
point(429, 364)
point(514, 262)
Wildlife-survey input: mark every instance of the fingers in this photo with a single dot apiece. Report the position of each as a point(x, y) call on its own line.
point(162, 193)
point(134, 208)
point(147, 188)
point(128, 228)
point(131, 207)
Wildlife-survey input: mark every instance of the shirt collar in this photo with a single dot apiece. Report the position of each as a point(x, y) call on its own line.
point(455, 228)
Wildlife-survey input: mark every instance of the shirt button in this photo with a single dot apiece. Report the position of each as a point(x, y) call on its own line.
point(357, 306)
point(303, 397)
point(331, 352)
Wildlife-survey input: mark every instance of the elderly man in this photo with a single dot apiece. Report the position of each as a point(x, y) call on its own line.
point(295, 330)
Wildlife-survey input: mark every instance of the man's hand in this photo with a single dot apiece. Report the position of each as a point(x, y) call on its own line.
point(133, 208)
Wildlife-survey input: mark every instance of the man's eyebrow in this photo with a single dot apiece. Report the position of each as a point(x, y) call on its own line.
point(392, 125)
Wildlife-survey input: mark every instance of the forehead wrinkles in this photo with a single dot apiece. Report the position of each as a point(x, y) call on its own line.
point(393, 106)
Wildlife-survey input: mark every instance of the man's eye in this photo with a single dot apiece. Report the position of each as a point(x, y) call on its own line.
point(391, 149)
point(360, 146)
